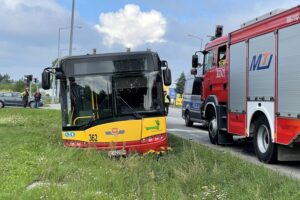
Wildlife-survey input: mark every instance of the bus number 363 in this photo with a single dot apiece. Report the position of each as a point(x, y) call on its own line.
point(93, 138)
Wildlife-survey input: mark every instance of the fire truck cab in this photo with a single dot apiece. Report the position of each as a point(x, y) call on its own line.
point(250, 85)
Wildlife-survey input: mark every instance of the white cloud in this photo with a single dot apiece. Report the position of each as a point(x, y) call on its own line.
point(13, 5)
point(131, 27)
point(31, 17)
point(29, 34)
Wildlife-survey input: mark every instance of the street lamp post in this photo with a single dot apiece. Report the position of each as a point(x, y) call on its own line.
point(59, 29)
point(71, 32)
point(201, 39)
point(57, 61)
point(197, 37)
point(63, 50)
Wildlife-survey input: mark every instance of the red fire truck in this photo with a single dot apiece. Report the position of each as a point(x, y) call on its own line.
point(251, 85)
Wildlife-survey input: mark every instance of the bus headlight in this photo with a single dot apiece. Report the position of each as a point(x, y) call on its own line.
point(153, 138)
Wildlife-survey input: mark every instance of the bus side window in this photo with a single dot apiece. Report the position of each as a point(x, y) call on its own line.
point(221, 56)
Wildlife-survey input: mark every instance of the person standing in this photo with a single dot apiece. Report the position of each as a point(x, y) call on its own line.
point(167, 102)
point(25, 96)
point(37, 99)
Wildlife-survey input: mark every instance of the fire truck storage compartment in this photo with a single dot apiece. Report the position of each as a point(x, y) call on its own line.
point(289, 71)
point(237, 88)
point(237, 80)
point(261, 67)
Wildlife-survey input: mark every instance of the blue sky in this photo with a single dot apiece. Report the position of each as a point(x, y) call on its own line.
point(29, 28)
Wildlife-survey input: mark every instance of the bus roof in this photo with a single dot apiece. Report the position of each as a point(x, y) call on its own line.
point(118, 54)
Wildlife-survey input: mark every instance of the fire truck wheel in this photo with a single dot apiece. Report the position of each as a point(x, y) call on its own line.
point(265, 149)
point(188, 121)
point(213, 130)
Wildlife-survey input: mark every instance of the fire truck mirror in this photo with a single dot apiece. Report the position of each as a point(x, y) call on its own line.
point(46, 80)
point(195, 61)
point(167, 76)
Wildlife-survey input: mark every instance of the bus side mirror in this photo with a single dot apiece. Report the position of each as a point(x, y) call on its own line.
point(195, 61)
point(164, 63)
point(167, 76)
point(46, 80)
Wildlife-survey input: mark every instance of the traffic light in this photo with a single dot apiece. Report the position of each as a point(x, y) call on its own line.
point(35, 80)
point(28, 79)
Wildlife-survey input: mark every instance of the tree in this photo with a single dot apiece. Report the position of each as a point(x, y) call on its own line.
point(19, 86)
point(180, 84)
point(5, 79)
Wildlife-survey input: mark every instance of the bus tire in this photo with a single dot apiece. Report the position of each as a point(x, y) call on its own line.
point(213, 130)
point(187, 117)
point(265, 149)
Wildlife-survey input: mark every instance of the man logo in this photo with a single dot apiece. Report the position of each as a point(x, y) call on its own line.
point(262, 61)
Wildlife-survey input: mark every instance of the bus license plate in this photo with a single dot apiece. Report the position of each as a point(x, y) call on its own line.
point(117, 153)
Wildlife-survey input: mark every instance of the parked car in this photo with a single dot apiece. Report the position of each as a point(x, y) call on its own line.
point(191, 104)
point(15, 99)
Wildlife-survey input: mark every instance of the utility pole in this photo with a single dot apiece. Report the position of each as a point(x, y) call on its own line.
point(30, 89)
point(71, 31)
point(53, 87)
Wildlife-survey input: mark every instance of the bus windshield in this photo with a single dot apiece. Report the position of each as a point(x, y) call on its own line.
point(107, 97)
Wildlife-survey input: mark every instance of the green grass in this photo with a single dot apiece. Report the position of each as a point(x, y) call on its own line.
point(31, 150)
point(48, 100)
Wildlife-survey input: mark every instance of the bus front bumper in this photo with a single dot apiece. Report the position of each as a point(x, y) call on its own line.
point(156, 144)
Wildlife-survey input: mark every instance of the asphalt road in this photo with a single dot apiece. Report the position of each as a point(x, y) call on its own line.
point(240, 148)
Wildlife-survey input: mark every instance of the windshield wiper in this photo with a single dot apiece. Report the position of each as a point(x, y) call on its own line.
point(134, 113)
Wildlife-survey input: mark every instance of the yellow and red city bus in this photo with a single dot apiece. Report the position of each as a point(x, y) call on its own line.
point(113, 101)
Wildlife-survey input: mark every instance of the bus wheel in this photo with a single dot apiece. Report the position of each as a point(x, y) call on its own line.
point(213, 130)
point(188, 121)
point(265, 149)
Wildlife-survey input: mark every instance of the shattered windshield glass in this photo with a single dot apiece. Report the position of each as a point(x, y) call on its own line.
point(101, 97)
point(90, 98)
